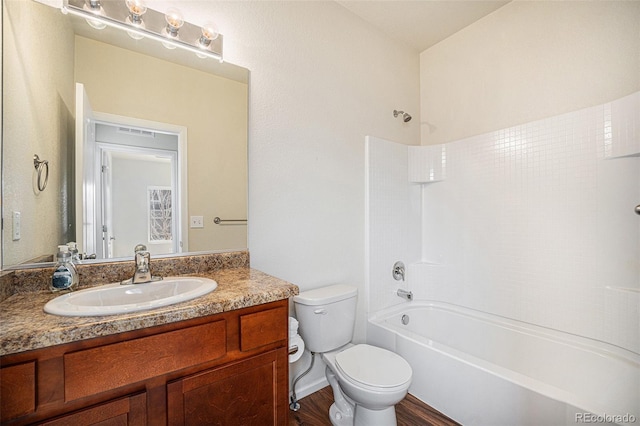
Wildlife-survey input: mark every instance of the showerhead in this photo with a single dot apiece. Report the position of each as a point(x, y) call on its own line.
point(405, 116)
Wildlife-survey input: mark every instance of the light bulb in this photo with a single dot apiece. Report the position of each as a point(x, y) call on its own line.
point(137, 8)
point(209, 33)
point(174, 22)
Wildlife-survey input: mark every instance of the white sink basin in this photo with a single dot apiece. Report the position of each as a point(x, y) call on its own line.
point(116, 298)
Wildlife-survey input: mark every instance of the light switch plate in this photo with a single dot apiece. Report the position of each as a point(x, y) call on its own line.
point(197, 222)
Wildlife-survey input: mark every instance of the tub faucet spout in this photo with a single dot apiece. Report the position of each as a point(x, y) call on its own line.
point(405, 294)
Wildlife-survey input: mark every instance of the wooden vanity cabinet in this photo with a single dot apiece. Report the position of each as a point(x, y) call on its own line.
point(224, 369)
point(238, 394)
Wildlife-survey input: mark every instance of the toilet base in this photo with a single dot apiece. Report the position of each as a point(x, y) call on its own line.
point(338, 418)
point(366, 417)
point(363, 417)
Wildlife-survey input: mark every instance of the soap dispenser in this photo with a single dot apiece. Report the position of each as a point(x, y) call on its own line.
point(65, 276)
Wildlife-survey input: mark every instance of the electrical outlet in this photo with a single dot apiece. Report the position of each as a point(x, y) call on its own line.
point(16, 226)
point(197, 221)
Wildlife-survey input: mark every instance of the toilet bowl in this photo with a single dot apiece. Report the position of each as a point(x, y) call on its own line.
point(367, 381)
point(372, 379)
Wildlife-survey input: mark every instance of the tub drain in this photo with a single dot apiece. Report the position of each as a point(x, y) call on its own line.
point(405, 319)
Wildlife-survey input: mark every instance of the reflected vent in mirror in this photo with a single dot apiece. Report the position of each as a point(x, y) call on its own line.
point(137, 132)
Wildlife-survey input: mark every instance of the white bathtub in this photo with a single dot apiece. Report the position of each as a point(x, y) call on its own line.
point(481, 369)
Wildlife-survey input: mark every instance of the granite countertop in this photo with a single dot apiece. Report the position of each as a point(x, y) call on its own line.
point(25, 326)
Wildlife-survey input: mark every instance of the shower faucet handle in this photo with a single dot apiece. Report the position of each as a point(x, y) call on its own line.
point(398, 271)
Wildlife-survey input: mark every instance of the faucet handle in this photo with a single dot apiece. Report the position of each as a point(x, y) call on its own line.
point(139, 248)
point(398, 271)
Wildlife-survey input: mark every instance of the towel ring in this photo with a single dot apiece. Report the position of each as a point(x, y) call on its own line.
point(41, 165)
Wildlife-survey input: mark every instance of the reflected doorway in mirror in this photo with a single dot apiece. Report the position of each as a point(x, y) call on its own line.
point(126, 164)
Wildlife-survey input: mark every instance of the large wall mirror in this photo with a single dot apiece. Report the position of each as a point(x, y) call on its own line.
point(162, 149)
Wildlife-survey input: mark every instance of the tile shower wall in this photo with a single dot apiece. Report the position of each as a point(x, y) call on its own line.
point(392, 220)
point(534, 222)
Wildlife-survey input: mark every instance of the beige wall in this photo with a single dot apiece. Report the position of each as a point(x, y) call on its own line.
point(526, 61)
point(214, 111)
point(40, 78)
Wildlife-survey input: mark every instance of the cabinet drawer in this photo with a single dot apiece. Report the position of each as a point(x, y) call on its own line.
point(132, 361)
point(130, 411)
point(17, 390)
point(262, 328)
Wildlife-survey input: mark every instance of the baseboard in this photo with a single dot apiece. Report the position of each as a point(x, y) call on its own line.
point(309, 388)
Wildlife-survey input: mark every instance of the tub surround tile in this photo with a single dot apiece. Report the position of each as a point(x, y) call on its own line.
point(393, 217)
point(533, 222)
point(25, 325)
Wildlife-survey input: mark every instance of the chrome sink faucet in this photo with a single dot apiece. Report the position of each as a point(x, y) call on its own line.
point(142, 274)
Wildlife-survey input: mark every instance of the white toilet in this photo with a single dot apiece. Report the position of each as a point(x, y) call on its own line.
point(367, 381)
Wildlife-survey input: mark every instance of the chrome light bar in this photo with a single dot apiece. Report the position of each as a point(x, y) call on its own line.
point(152, 25)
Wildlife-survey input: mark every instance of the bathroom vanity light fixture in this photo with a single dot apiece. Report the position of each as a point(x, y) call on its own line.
point(139, 22)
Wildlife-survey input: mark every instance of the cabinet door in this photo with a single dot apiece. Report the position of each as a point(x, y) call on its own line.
point(17, 390)
point(249, 392)
point(129, 411)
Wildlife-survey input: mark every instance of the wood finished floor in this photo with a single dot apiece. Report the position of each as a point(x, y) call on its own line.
point(314, 411)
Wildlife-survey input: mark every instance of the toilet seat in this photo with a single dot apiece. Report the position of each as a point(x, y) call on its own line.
point(373, 367)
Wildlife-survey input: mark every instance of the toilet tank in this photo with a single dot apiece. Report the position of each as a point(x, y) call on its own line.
point(327, 316)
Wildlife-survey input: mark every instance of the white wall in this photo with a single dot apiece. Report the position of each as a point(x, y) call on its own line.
point(526, 61)
point(321, 80)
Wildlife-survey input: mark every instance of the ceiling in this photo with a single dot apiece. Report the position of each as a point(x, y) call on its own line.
point(420, 24)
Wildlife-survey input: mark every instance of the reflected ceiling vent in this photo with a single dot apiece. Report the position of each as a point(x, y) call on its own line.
point(136, 132)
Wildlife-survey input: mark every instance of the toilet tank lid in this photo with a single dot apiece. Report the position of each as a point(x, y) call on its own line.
point(325, 295)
